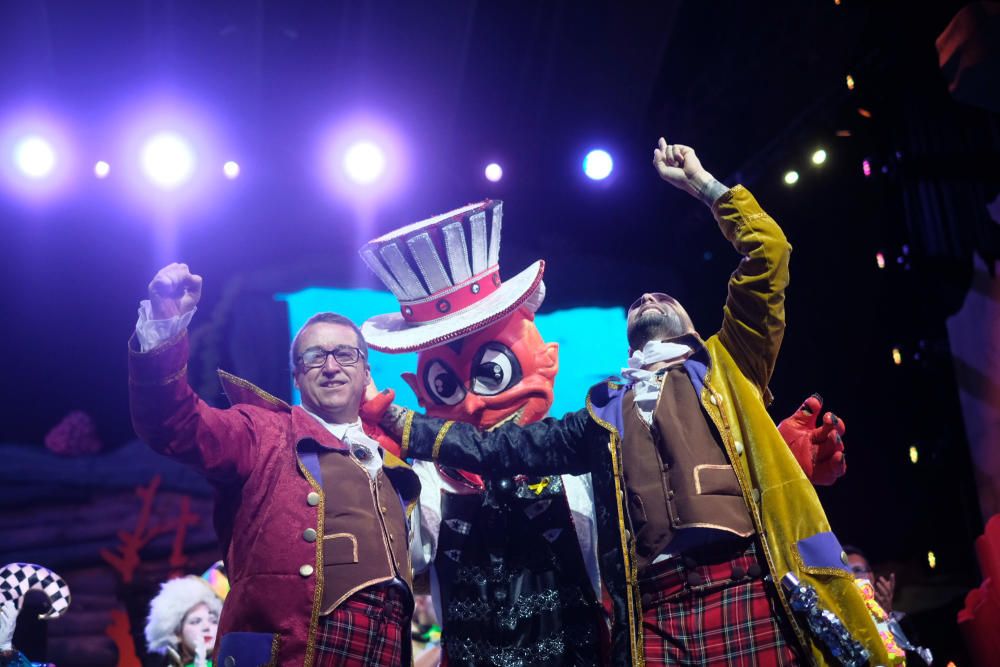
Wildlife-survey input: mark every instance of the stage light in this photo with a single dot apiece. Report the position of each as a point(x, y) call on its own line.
point(167, 160)
point(597, 165)
point(34, 157)
point(102, 169)
point(880, 260)
point(364, 162)
point(864, 113)
point(850, 82)
point(914, 455)
point(843, 133)
point(231, 170)
point(493, 172)
point(791, 177)
point(897, 356)
point(931, 559)
point(819, 157)
point(866, 168)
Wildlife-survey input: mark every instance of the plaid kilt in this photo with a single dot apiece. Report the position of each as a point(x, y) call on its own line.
point(371, 627)
point(713, 611)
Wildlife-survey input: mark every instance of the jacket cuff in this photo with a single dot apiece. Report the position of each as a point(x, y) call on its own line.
point(422, 436)
point(160, 366)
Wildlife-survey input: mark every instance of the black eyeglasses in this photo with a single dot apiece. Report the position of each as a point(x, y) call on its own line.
point(345, 355)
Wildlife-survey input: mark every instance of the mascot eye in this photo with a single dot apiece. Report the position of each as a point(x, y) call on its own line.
point(495, 370)
point(443, 385)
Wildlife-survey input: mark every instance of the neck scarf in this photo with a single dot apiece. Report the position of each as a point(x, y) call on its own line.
point(646, 383)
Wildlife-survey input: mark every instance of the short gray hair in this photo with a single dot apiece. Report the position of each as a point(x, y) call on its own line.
point(326, 318)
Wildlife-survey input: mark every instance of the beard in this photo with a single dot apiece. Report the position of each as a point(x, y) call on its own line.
point(654, 325)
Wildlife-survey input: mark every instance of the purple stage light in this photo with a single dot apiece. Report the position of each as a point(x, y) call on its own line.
point(165, 152)
point(36, 155)
point(231, 169)
point(364, 162)
point(493, 172)
point(168, 160)
point(597, 165)
point(102, 169)
point(363, 159)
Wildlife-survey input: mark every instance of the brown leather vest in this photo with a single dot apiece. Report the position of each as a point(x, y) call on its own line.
point(676, 472)
point(365, 540)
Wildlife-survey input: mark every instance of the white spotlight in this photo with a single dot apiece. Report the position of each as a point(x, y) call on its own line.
point(231, 170)
point(364, 162)
point(819, 157)
point(35, 157)
point(102, 169)
point(791, 177)
point(168, 160)
point(493, 172)
point(598, 164)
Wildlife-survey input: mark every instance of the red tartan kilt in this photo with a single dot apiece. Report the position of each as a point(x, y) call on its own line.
point(372, 627)
point(713, 614)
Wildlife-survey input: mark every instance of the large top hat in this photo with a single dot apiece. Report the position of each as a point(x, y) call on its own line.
point(445, 272)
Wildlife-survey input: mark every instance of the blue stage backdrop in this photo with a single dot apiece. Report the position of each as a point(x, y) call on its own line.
point(591, 341)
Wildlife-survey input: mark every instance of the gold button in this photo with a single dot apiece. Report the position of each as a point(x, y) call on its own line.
point(306, 570)
point(713, 400)
point(739, 448)
point(312, 499)
point(628, 536)
point(843, 557)
point(391, 538)
point(718, 397)
point(309, 535)
point(384, 509)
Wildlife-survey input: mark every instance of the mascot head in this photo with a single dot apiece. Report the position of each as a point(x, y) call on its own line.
point(481, 359)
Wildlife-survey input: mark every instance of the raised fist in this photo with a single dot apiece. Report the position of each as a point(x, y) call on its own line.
point(174, 291)
point(819, 449)
point(679, 166)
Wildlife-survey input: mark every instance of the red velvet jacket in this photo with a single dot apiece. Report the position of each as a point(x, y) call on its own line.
point(256, 454)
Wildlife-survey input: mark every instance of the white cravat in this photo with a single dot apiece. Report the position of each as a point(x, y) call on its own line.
point(646, 384)
point(354, 436)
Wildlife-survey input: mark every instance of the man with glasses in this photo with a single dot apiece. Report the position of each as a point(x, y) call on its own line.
point(701, 507)
point(312, 514)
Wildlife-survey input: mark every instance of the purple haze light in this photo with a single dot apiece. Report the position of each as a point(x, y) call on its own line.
point(362, 158)
point(168, 160)
point(36, 155)
point(493, 172)
point(165, 152)
point(364, 162)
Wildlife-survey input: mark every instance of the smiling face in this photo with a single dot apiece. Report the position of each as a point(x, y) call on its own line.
point(656, 316)
point(505, 371)
point(332, 391)
point(199, 627)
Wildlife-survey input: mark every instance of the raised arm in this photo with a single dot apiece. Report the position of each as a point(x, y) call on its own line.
point(166, 413)
point(547, 447)
point(753, 322)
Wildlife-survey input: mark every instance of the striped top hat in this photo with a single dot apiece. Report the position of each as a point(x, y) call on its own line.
point(445, 273)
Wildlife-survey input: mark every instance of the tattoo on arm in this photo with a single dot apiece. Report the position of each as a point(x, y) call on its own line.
point(393, 420)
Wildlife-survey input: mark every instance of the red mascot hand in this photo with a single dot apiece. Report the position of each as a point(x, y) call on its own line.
point(818, 449)
point(373, 406)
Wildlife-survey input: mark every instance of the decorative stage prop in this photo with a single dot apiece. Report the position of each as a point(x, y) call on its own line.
point(16, 579)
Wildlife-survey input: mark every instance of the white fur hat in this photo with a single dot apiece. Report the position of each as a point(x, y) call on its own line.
point(167, 610)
